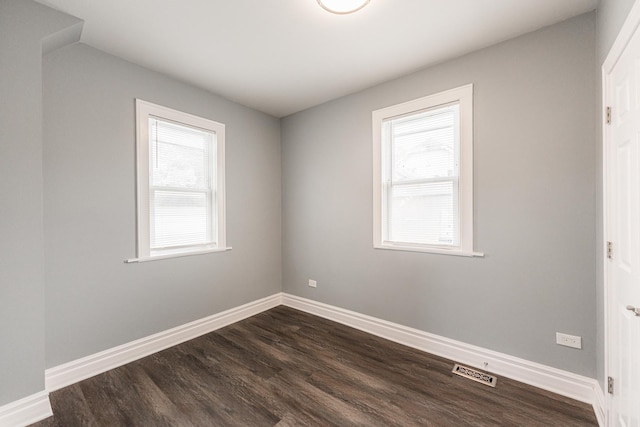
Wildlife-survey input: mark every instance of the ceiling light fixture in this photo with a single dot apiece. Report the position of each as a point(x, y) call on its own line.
point(343, 6)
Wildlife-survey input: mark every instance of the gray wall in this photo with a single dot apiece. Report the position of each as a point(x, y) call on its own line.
point(24, 25)
point(535, 180)
point(94, 301)
point(534, 204)
point(610, 16)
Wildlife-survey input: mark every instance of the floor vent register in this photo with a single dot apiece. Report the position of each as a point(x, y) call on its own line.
point(475, 375)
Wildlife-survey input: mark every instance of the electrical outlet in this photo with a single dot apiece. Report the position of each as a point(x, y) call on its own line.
point(313, 283)
point(568, 340)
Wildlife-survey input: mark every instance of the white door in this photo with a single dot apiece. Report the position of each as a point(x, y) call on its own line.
point(622, 229)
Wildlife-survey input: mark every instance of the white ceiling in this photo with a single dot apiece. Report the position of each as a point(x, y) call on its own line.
point(282, 56)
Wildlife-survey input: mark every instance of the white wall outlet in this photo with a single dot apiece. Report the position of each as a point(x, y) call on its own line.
point(313, 283)
point(568, 340)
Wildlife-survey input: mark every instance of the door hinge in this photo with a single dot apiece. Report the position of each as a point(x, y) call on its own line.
point(610, 385)
point(610, 250)
point(607, 115)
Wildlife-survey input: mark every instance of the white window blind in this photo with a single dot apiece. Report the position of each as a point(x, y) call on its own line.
point(421, 179)
point(182, 186)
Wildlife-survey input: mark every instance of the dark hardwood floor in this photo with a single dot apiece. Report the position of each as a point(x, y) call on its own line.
point(288, 368)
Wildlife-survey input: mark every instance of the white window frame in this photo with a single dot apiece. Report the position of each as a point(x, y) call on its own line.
point(464, 97)
point(144, 111)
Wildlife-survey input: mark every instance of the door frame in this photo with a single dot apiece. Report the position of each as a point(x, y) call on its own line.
point(625, 35)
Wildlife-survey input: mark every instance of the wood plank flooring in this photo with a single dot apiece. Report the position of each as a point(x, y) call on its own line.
point(288, 368)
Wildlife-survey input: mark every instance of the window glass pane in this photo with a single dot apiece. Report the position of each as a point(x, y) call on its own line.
point(424, 145)
point(424, 213)
point(423, 161)
point(179, 219)
point(179, 155)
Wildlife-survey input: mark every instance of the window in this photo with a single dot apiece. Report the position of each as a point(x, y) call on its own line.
point(423, 174)
point(180, 169)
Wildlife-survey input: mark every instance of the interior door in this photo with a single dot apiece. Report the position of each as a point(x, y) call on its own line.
point(623, 231)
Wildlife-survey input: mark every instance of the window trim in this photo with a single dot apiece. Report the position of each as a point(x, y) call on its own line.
point(464, 96)
point(144, 111)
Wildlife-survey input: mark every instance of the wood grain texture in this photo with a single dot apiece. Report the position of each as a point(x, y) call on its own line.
point(288, 368)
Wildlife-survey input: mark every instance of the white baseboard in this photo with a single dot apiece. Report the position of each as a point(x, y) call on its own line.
point(565, 383)
point(26, 411)
point(555, 380)
point(86, 367)
point(600, 405)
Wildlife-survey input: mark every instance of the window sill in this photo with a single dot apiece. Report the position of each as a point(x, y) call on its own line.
point(408, 248)
point(174, 255)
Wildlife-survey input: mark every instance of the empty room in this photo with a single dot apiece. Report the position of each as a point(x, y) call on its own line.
point(319, 212)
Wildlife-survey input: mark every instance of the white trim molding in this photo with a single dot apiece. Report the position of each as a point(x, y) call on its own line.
point(600, 405)
point(212, 135)
point(547, 378)
point(26, 411)
point(86, 367)
point(461, 178)
point(629, 27)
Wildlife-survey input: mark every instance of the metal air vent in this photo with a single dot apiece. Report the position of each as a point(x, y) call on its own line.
point(475, 375)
